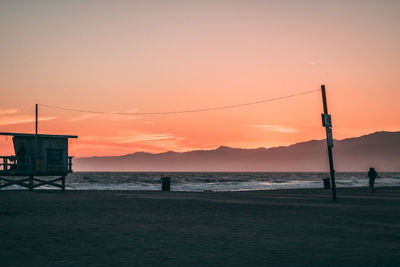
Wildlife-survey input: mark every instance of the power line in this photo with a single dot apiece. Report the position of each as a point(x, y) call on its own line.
point(181, 111)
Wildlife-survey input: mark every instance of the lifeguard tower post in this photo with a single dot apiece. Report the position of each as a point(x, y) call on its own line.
point(36, 155)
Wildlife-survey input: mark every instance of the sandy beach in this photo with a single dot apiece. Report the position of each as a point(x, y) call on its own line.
point(254, 228)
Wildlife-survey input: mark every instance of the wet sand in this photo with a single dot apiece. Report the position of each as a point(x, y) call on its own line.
point(257, 228)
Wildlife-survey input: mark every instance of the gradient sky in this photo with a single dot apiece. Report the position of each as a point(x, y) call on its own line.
point(150, 56)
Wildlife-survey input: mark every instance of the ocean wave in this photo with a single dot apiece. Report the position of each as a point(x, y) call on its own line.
point(198, 182)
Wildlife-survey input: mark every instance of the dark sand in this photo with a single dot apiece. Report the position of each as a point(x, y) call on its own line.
point(259, 228)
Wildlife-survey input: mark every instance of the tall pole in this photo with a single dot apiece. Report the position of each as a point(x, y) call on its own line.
point(327, 123)
point(36, 120)
point(36, 141)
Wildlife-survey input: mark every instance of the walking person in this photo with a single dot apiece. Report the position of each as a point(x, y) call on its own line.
point(372, 174)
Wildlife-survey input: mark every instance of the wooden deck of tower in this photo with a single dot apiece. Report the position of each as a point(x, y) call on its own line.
point(36, 155)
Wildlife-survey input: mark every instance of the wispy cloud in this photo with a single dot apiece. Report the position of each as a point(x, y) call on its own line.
point(12, 116)
point(143, 137)
point(105, 116)
point(83, 117)
point(21, 119)
point(275, 128)
point(8, 111)
point(132, 137)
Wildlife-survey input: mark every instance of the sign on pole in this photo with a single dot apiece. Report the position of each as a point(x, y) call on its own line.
point(327, 123)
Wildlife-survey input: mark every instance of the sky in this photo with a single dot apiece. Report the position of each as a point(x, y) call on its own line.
point(157, 56)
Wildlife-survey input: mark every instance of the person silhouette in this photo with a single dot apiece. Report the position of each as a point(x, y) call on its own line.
point(21, 157)
point(372, 174)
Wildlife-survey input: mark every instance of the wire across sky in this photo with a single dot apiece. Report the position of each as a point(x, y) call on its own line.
point(181, 111)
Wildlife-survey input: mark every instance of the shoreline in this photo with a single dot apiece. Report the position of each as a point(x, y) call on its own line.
point(68, 189)
point(204, 191)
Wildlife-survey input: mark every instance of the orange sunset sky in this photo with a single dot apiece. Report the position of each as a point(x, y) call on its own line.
point(154, 56)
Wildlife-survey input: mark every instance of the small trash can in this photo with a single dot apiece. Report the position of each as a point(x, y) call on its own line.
point(166, 183)
point(327, 183)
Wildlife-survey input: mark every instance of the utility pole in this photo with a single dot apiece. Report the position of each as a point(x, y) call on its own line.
point(36, 120)
point(36, 161)
point(327, 123)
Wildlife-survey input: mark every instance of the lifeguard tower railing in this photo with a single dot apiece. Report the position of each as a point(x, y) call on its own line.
point(10, 165)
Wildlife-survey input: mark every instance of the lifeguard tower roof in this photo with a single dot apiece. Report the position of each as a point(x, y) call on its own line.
point(39, 135)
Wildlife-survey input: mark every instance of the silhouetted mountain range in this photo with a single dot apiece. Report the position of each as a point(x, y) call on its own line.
point(380, 150)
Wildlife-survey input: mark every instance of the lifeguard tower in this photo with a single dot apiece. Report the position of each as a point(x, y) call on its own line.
point(36, 155)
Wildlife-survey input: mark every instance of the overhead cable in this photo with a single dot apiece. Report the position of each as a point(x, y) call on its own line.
point(181, 111)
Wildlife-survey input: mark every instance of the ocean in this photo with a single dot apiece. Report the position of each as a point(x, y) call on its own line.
point(219, 181)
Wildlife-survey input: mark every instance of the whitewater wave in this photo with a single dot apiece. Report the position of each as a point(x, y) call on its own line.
point(198, 182)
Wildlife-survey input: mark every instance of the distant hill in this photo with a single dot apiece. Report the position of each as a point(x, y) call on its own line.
point(380, 150)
